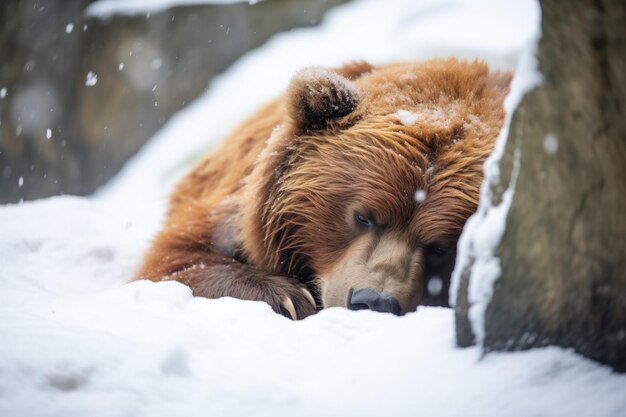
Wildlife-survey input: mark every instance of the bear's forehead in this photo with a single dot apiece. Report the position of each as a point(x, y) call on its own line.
point(414, 155)
point(396, 177)
point(426, 112)
point(434, 88)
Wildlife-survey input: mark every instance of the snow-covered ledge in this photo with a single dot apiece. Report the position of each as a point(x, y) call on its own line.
point(107, 8)
point(477, 264)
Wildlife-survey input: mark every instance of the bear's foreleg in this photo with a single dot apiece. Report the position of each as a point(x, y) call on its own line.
point(200, 248)
point(227, 277)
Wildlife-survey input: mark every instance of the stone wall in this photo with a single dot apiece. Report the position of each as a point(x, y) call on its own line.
point(80, 95)
point(563, 253)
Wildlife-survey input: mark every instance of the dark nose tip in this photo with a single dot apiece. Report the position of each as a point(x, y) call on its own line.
point(368, 299)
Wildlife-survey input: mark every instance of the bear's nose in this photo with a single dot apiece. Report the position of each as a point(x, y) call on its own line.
point(367, 298)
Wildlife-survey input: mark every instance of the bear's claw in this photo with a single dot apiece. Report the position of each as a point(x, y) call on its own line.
point(309, 297)
point(294, 306)
point(287, 304)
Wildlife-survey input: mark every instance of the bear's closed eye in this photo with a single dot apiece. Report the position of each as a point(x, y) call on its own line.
point(364, 221)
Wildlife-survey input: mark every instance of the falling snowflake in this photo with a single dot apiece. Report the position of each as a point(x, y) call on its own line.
point(91, 80)
point(156, 63)
point(550, 144)
point(434, 286)
point(69, 28)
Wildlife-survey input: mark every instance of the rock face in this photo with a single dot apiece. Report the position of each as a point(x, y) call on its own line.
point(81, 94)
point(563, 254)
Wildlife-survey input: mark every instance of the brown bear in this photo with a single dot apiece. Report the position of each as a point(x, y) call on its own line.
point(351, 189)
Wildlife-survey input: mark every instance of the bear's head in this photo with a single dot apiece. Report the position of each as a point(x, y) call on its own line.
point(366, 185)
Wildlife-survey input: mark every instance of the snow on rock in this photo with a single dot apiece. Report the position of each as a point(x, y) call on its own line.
point(79, 340)
point(484, 230)
point(107, 8)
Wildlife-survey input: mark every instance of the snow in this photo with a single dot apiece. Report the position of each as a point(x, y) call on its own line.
point(78, 340)
point(107, 8)
point(92, 79)
point(431, 115)
point(156, 63)
point(392, 38)
point(69, 28)
point(483, 230)
point(48, 133)
point(3, 92)
point(434, 286)
point(550, 144)
point(406, 117)
point(420, 196)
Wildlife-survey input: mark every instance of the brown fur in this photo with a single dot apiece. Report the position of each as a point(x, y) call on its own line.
point(272, 210)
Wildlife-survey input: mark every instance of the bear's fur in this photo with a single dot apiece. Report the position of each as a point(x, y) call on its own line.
point(315, 193)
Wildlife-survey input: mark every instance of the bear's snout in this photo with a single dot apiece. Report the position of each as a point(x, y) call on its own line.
point(378, 273)
point(369, 299)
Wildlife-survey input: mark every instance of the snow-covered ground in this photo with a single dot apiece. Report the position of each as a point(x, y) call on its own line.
point(75, 340)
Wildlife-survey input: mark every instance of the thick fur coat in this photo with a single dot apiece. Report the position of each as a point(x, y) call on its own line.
point(357, 177)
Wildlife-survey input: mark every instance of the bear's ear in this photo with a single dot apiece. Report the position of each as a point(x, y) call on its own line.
point(317, 96)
